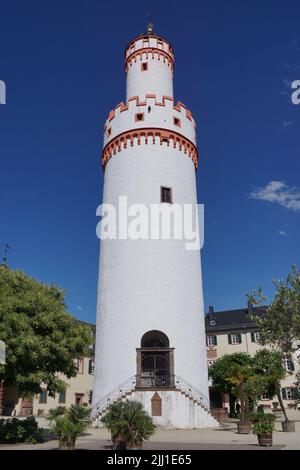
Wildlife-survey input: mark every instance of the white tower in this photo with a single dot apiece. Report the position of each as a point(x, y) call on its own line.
point(150, 341)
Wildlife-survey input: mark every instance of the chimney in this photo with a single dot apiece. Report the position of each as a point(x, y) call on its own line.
point(211, 313)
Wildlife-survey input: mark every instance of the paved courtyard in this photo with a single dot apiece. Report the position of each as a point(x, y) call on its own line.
point(224, 438)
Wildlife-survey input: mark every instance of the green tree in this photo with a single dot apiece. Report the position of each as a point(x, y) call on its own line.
point(279, 323)
point(219, 374)
point(268, 364)
point(42, 338)
point(239, 376)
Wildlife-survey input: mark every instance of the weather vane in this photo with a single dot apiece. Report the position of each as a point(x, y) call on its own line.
point(5, 251)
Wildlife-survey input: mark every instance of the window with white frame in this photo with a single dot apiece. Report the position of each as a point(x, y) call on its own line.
point(288, 364)
point(290, 393)
point(211, 341)
point(79, 364)
point(235, 338)
point(255, 337)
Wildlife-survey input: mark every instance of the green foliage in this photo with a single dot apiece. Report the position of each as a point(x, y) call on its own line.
point(15, 430)
point(279, 325)
point(263, 423)
point(42, 338)
point(219, 371)
point(69, 424)
point(78, 413)
point(129, 420)
point(55, 412)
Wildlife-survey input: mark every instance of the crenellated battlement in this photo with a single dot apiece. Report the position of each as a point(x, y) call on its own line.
point(148, 136)
point(153, 45)
point(150, 113)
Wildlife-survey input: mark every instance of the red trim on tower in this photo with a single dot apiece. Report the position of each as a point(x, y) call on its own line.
point(149, 50)
point(134, 136)
point(177, 107)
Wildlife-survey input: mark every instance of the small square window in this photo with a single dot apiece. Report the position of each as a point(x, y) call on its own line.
point(139, 117)
point(166, 195)
point(144, 66)
point(177, 122)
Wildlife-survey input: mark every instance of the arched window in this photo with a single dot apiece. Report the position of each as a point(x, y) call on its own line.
point(155, 362)
point(155, 339)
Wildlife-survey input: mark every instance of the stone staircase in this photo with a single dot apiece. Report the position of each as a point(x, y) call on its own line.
point(189, 406)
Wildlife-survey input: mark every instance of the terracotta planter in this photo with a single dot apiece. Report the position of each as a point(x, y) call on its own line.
point(288, 426)
point(65, 444)
point(265, 440)
point(244, 428)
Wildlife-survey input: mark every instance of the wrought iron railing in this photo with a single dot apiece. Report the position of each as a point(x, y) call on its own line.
point(113, 396)
point(150, 381)
point(192, 392)
point(163, 381)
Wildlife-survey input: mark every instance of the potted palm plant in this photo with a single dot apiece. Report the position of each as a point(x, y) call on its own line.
point(263, 427)
point(238, 375)
point(129, 424)
point(68, 424)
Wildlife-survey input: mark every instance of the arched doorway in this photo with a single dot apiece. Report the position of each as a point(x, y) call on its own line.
point(155, 361)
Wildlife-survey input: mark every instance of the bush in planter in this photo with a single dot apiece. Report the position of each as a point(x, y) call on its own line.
point(129, 424)
point(69, 424)
point(263, 427)
point(16, 430)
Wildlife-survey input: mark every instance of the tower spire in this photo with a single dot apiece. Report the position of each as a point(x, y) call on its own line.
point(149, 25)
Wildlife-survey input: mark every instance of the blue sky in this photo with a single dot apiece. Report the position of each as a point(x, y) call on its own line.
point(62, 62)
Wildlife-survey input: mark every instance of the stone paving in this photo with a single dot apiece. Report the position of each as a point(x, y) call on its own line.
point(224, 438)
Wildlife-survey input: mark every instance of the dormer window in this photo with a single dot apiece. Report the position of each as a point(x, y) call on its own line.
point(212, 322)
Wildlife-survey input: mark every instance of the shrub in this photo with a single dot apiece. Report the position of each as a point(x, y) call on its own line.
point(69, 424)
point(263, 423)
point(129, 421)
point(16, 430)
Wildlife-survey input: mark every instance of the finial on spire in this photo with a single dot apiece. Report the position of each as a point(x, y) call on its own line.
point(150, 28)
point(149, 25)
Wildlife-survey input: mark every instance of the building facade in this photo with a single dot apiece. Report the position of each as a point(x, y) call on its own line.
point(150, 339)
point(233, 331)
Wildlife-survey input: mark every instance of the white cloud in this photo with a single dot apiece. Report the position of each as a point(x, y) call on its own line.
point(282, 233)
point(286, 124)
point(79, 308)
point(279, 193)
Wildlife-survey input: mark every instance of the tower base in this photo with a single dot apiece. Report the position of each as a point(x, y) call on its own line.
point(170, 409)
